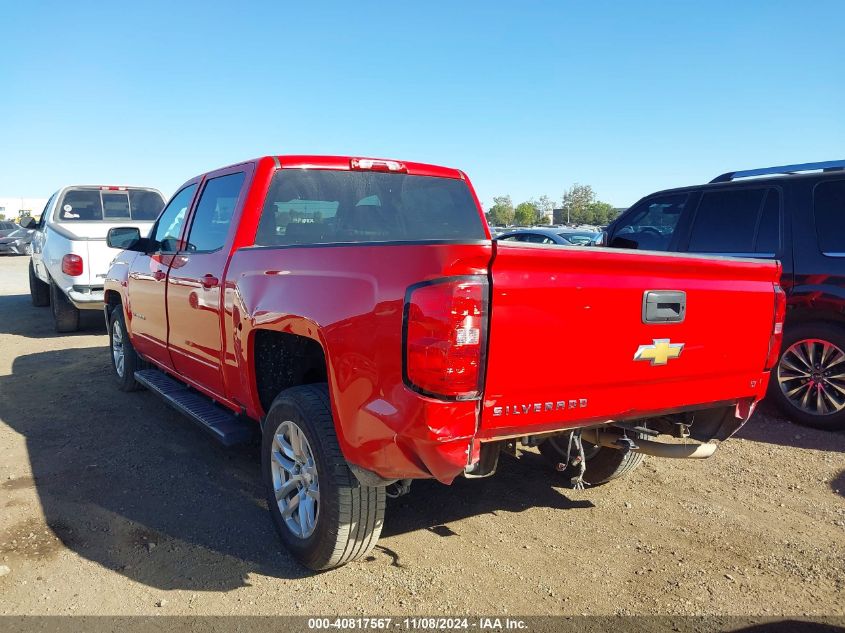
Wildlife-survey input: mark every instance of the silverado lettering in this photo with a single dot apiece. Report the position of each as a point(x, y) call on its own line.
point(540, 407)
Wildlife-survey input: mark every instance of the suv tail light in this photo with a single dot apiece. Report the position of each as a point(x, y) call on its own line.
point(445, 336)
point(777, 328)
point(72, 265)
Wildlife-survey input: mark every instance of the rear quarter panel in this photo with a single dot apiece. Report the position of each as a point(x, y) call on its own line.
point(350, 299)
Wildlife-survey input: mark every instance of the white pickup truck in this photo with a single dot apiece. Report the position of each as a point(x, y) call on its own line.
point(70, 256)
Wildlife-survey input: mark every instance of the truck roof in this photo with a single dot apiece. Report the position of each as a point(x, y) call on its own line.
point(306, 161)
point(110, 187)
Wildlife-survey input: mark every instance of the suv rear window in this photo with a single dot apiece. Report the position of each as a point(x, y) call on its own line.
point(829, 209)
point(96, 205)
point(737, 221)
point(328, 206)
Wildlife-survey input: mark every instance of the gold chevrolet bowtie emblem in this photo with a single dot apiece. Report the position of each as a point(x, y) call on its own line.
point(660, 352)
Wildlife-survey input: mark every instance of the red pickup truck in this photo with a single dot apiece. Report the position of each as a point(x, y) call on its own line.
point(359, 314)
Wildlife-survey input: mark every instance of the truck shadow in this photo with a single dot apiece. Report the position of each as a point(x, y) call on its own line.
point(128, 483)
point(768, 425)
point(21, 318)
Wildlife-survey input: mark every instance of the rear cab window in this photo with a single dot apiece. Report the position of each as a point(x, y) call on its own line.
point(829, 213)
point(314, 206)
point(92, 204)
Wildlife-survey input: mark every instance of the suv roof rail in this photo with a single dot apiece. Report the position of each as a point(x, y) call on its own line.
point(829, 165)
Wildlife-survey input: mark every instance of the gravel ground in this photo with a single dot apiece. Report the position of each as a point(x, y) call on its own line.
point(111, 503)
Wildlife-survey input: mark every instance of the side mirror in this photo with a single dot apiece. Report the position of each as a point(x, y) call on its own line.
point(127, 238)
point(29, 223)
point(601, 239)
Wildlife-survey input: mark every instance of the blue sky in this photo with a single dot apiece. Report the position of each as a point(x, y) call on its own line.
point(527, 97)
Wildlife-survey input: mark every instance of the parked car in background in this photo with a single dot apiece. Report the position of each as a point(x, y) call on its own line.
point(357, 312)
point(7, 227)
point(794, 213)
point(70, 256)
point(563, 237)
point(18, 242)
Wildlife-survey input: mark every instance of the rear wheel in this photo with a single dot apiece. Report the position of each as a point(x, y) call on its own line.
point(65, 314)
point(39, 291)
point(603, 464)
point(323, 514)
point(808, 384)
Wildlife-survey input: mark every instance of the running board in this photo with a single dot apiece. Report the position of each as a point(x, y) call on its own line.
point(221, 423)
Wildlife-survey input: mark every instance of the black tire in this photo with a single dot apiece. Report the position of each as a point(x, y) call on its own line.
point(131, 361)
point(39, 291)
point(350, 515)
point(65, 314)
point(809, 415)
point(603, 464)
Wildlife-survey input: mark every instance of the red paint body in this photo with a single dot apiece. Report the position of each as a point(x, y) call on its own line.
point(563, 324)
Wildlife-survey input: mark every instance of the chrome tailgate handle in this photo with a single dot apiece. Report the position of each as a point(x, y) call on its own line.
point(664, 306)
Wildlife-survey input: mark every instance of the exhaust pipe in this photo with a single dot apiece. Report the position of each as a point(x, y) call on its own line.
point(650, 447)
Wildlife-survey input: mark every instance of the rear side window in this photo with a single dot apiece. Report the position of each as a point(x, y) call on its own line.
point(536, 238)
point(729, 222)
point(327, 206)
point(145, 205)
point(829, 209)
point(214, 212)
point(98, 205)
point(651, 224)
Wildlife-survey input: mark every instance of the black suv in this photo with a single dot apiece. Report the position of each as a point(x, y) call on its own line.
point(794, 213)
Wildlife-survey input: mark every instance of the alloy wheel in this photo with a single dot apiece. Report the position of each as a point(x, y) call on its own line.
point(811, 375)
point(295, 481)
point(117, 350)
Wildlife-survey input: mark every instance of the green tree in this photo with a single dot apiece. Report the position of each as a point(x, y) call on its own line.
point(525, 214)
point(502, 212)
point(601, 212)
point(575, 203)
point(545, 206)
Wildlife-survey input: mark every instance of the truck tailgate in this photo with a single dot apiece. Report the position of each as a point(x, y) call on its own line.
point(567, 323)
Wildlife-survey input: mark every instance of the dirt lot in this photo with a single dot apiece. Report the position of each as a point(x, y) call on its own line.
point(111, 503)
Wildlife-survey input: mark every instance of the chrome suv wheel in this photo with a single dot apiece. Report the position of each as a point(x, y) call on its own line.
point(811, 376)
point(296, 482)
point(808, 384)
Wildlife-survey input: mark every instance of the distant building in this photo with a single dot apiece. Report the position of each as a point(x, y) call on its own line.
point(14, 208)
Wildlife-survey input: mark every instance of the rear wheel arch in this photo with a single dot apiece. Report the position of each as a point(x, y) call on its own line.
point(281, 360)
point(801, 315)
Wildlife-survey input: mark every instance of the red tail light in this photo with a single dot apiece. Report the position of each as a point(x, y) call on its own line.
point(445, 337)
point(72, 265)
point(777, 328)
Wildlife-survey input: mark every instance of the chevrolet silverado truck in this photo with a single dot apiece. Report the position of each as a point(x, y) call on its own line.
point(70, 257)
point(357, 313)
